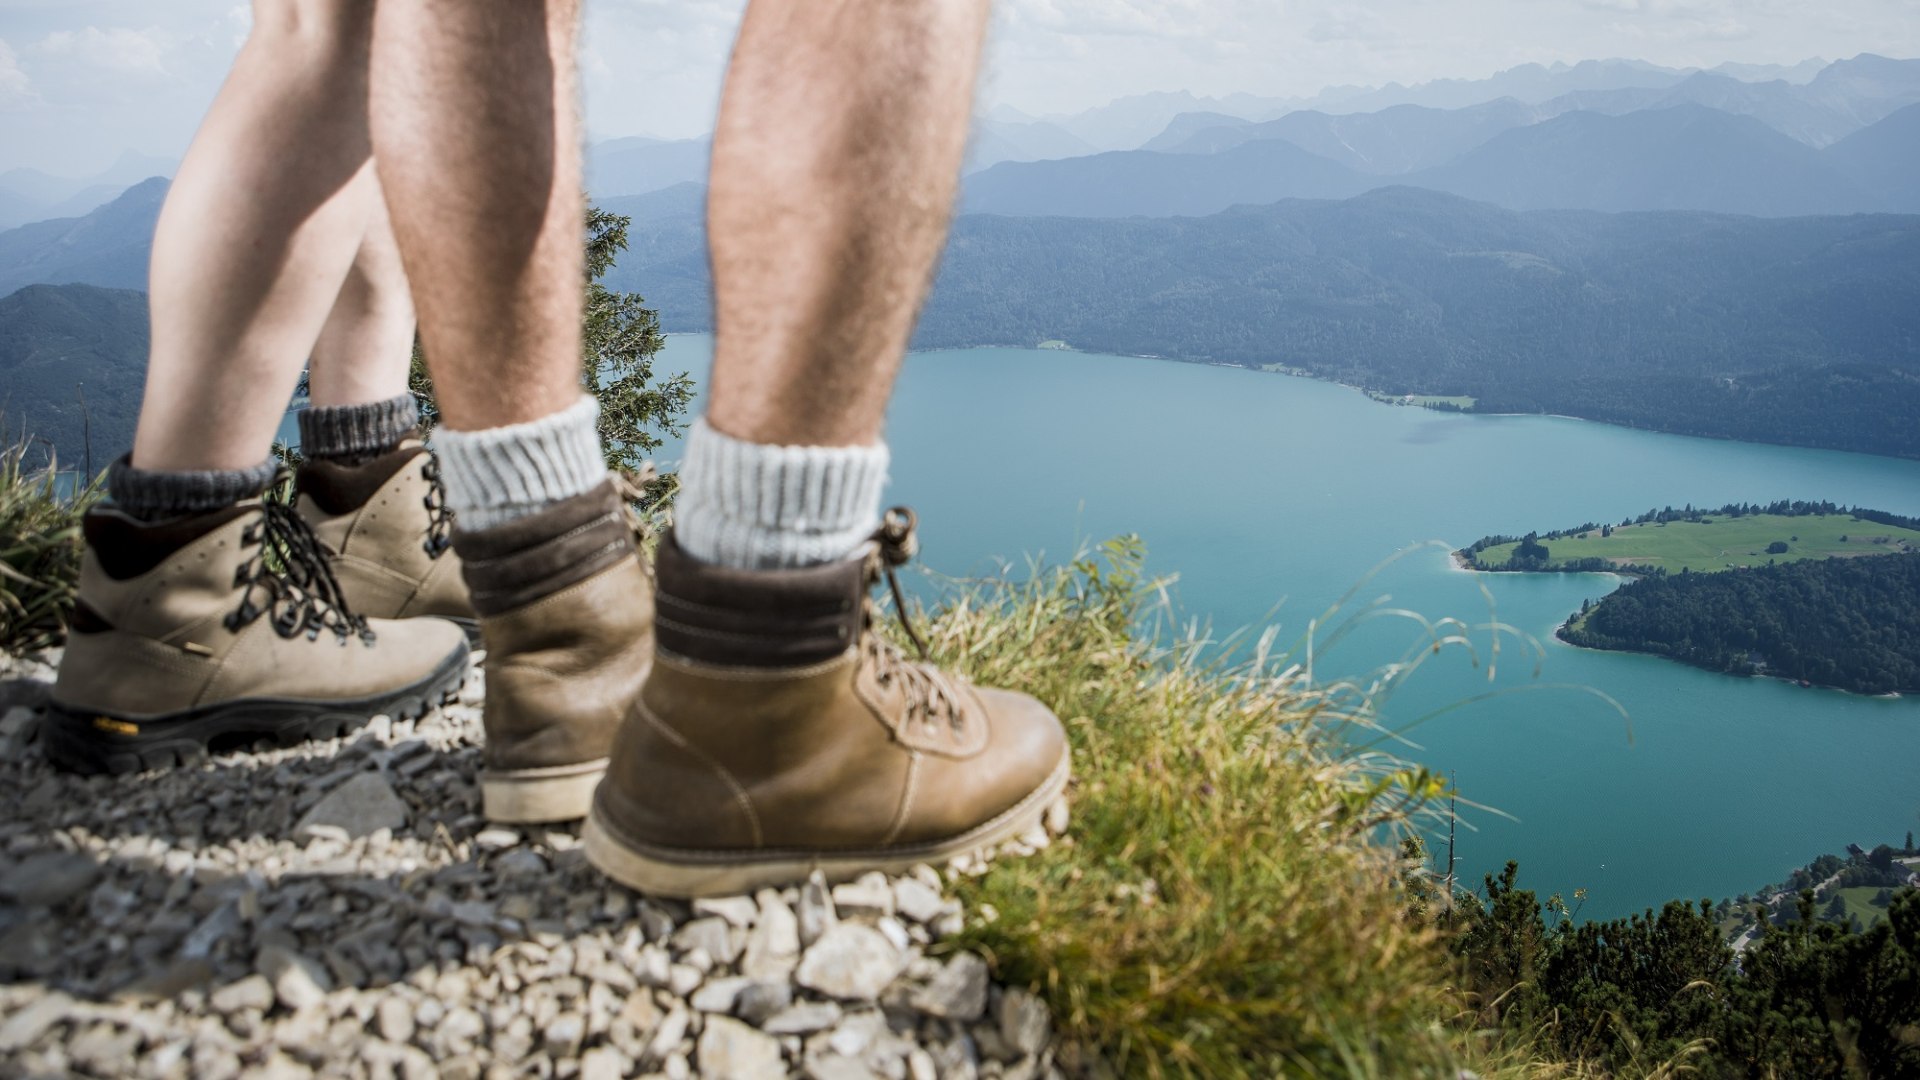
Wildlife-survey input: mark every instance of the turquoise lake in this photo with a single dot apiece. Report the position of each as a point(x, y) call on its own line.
point(1271, 496)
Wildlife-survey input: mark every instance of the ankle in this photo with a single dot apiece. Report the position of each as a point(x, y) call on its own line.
point(751, 506)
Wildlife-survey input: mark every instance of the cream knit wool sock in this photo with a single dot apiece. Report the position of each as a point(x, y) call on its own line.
point(757, 507)
point(502, 474)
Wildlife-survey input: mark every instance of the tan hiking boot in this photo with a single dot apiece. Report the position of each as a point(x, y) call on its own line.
point(219, 629)
point(566, 611)
point(778, 732)
point(386, 522)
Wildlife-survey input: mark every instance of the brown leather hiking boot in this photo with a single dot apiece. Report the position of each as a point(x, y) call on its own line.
point(386, 522)
point(566, 611)
point(778, 732)
point(225, 628)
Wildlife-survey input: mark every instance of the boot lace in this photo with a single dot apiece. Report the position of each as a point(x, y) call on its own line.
point(439, 517)
point(930, 697)
point(289, 578)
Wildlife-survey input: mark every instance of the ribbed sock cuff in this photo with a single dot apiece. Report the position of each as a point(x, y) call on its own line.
point(158, 494)
point(502, 474)
point(757, 507)
point(357, 431)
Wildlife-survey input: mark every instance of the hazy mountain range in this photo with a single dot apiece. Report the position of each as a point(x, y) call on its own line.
point(1440, 238)
point(28, 195)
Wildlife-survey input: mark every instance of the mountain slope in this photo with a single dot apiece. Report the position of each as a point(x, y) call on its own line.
point(1884, 159)
point(635, 166)
point(1400, 139)
point(1791, 330)
point(73, 360)
point(109, 247)
point(1123, 183)
point(1685, 157)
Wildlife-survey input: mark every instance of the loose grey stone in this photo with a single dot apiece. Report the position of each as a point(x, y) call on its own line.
point(251, 993)
point(737, 910)
point(851, 962)
point(895, 933)
point(683, 979)
point(563, 1034)
point(837, 1067)
point(496, 839)
point(602, 1063)
point(668, 1035)
point(869, 895)
point(364, 804)
point(815, 911)
point(710, 935)
point(916, 901)
point(394, 1020)
point(520, 863)
point(25, 1027)
point(297, 981)
point(653, 967)
point(761, 1000)
point(50, 878)
point(803, 1018)
point(1024, 1022)
point(730, 1050)
point(920, 1066)
point(773, 948)
point(719, 995)
point(959, 992)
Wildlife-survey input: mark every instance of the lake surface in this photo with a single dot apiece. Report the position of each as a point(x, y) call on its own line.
point(1271, 496)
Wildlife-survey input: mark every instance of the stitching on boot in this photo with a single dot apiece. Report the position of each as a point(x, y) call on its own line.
point(739, 793)
point(906, 798)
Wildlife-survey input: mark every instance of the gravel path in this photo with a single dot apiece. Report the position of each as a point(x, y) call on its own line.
point(342, 909)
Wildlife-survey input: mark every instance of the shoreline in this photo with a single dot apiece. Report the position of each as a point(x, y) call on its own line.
point(1891, 695)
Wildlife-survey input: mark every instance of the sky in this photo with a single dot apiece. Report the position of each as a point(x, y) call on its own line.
point(82, 81)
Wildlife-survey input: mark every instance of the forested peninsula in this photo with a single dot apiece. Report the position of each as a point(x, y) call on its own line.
point(1808, 591)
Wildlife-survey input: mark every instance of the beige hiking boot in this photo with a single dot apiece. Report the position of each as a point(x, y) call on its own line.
point(778, 733)
point(387, 524)
point(216, 630)
point(566, 611)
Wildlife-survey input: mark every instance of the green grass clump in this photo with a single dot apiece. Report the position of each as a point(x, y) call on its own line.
point(1221, 908)
point(39, 551)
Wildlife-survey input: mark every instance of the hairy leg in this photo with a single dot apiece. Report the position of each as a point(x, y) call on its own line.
point(257, 233)
point(476, 131)
point(835, 161)
point(365, 348)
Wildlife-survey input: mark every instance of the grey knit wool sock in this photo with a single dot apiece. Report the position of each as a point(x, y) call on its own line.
point(757, 507)
point(158, 494)
point(357, 432)
point(502, 474)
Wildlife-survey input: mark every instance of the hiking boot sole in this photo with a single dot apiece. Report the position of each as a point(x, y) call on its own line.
point(667, 872)
point(91, 742)
point(536, 796)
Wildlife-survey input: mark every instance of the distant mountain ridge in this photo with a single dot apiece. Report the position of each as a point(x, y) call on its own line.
point(108, 247)
point(1680, 157)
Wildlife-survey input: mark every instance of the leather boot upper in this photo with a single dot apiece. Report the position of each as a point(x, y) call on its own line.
point(386, 521)
point(190, 613)
point(777, 719)
point(566, 613)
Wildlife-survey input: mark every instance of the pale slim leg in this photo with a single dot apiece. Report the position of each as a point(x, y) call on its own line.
point(476, 133)
point(835, 162)
point(257, 234)
point(365, 348)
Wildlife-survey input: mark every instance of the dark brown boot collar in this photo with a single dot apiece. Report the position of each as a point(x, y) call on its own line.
point(530, 558)
point(756, 618)
point(341, 488)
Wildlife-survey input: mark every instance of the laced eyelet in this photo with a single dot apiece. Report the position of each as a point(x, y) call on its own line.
point(294, 569)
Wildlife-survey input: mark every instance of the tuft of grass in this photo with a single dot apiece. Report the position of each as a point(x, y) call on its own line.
point(1222, 906)
point(40, 547)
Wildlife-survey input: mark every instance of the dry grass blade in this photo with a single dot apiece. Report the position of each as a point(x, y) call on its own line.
point(39, 550)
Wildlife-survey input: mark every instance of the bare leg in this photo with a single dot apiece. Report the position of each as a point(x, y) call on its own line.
point(367, 344)
point(257, 233)
point(835, 161)
point(476, 132)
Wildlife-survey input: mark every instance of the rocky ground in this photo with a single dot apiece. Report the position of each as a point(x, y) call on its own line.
point(342, 909)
